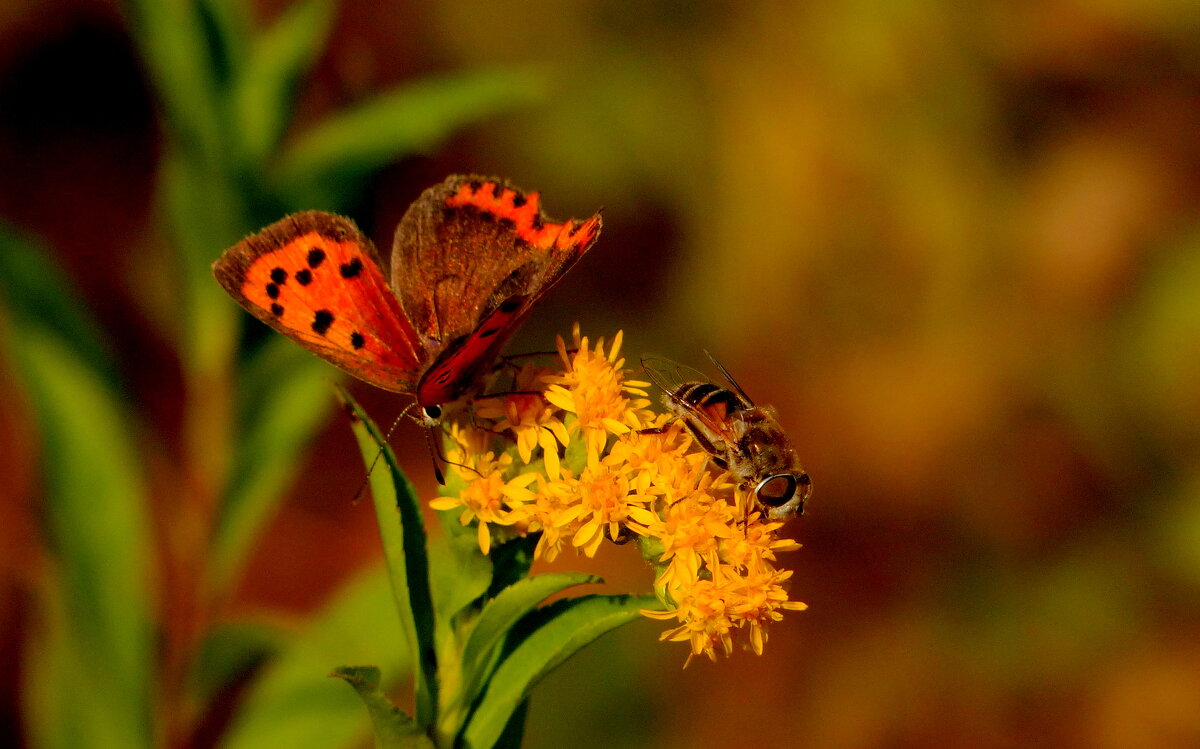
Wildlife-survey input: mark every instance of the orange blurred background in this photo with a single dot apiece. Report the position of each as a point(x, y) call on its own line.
point(957, 247)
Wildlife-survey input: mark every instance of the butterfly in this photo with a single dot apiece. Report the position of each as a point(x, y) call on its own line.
point(470, 259)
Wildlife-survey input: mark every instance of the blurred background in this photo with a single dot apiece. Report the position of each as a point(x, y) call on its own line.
point(958, 247)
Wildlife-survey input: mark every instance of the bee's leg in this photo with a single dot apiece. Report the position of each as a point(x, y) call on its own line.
point(659, 430)
point(512, 359)
point(623, 535)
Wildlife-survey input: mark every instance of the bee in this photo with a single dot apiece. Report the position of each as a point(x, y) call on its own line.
point(739, 436)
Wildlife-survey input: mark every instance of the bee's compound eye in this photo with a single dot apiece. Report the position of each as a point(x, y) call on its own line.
point(432, 413)
point(774, 491)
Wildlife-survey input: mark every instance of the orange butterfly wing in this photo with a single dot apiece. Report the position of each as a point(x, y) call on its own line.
point(471, 258)
point(317, 279)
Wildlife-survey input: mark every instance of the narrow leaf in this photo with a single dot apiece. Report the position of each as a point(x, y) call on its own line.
point(561, 629)
point(460, 574)
point(228, 25)
point(292, 703)
point(500, 615)
point(94, 507)
point(326, 164)
point(262, 97)
point(172, 42)
point(33, 288)
point(230, 651)
point(283, 401)
point(404, 549)
point(205, 214)
point(393, 729)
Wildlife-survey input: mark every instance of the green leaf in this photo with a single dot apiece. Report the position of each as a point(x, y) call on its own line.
point(283, 400)
point(393, 729)
point(227, 24)
point(555, 633)
point(205, 214)
point(262, 96)
point(173, 45)
point(511, 561)
point(94, 510)
point(460, 574)
point(500, 615)
point(292, 703)
point(405, 551)
point(231, 650)
point(35, 289)
point(326, 164)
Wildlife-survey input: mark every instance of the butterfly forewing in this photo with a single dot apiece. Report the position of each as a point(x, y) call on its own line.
point(317, 279)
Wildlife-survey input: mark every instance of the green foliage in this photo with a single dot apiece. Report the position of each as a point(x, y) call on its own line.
point(393, 729)
point(95, 614)
point(290, 703)
point(479, 658)
point(226, 94)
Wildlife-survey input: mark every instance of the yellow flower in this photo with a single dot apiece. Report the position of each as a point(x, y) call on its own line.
point(594, 389)
point(486, 497)
point(656, 458)
point(760, 597)
point(533, 421)
point(688, 530)
point(629, 469)
point(595, 502)
point(553, 512)
point(705, 623)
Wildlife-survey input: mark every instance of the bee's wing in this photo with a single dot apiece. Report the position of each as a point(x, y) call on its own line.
point(671, 377)
point(736, 387)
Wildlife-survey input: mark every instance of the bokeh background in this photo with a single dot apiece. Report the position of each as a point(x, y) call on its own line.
point(957, 245)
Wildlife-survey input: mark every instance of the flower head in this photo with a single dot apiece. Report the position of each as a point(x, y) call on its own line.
point(593, 388)
point(573, 453)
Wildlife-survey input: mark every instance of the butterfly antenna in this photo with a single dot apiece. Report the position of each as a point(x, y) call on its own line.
point(439, 458)
point(435, 454)
point(387, 437)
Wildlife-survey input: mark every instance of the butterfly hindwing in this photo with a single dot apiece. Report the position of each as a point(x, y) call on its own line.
point(317, 279)
point(473, 243)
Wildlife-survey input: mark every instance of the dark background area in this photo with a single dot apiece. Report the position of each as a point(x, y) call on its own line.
point(957, 248)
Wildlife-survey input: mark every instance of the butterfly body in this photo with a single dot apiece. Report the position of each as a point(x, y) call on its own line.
point(470, 259)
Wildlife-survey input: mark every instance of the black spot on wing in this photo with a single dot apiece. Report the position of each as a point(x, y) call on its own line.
point(304, 277)
point(357, 340)
point(277, 309)
point(352, 268)
point(273, 290)
point(316, 256)
point(489, 332)
point(518, 200)
point(279, 276)
point(509, 306)
point(321, 321)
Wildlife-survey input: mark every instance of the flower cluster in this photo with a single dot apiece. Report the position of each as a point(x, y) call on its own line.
point(574, 452)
